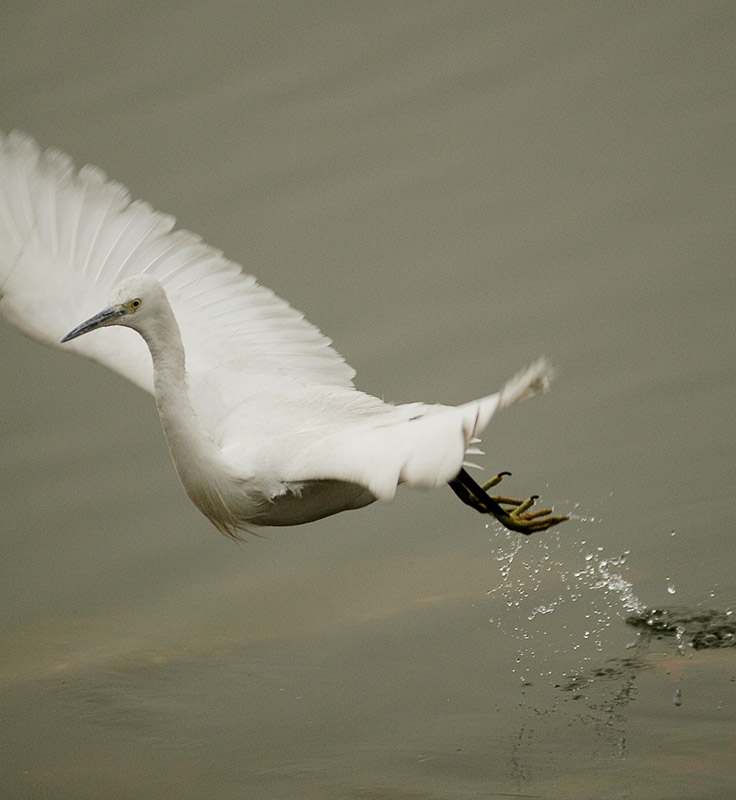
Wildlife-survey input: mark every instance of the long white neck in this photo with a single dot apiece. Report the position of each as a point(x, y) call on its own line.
point(200, 464)
point(194, 453)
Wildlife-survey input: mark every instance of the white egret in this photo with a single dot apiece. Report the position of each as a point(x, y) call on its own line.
point(260, 413)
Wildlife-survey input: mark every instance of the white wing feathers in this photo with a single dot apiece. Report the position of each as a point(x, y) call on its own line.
point(424, 451)
point(67, 238)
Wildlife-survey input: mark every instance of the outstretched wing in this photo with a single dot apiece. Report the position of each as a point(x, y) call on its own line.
point(68, 237)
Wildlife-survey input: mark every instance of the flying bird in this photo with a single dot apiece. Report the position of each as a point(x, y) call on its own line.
point(261, 417)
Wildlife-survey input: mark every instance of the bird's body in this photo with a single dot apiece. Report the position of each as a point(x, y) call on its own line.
point(260, 413)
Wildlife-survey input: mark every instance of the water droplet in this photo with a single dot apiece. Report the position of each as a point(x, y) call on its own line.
point(677, 697)
point(671, 588)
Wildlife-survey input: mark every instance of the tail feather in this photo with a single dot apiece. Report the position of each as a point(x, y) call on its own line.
point(530, 381)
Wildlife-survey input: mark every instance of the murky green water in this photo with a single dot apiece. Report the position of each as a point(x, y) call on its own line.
point(448, 190)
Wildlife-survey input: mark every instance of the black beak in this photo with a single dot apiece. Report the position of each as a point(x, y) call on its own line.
point(106, 317)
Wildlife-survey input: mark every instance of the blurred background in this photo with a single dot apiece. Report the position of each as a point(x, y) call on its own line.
point(448, 190)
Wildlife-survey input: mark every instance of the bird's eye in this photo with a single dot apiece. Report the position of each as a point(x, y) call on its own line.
point(135, 304)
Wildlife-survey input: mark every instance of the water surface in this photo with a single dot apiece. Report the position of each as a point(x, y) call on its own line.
point(448, 190)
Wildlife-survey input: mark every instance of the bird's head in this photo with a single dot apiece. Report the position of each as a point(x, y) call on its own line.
point(133, 303)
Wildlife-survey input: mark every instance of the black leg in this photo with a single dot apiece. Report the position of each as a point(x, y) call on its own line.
point(516, 518)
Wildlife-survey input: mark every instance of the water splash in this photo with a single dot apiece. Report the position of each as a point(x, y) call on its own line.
point(612, 582)
point(538, 581)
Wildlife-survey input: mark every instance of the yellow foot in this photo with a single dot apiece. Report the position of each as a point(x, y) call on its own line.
point(511, 513)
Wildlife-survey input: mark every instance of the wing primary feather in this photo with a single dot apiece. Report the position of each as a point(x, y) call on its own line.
point(158, 220)
point(116, 241)
point(180, 269)
point(9, 220)
point(160, 258)
point(180, 241)
point(53, 219)
point(57, 170)
point(76, 225)
point(27, 202)
point(96, 235)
